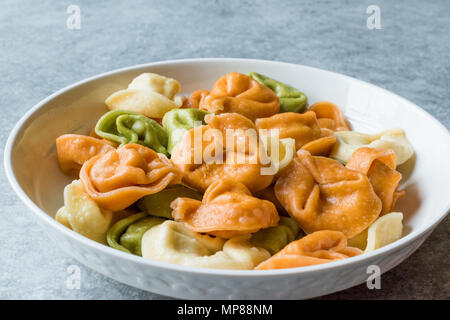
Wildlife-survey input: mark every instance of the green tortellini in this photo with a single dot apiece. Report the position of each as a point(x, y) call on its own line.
point(276, 238)
point(126, 234)
point(291, 99)
point(177, 122)
point(158, 204)
point(124, 127)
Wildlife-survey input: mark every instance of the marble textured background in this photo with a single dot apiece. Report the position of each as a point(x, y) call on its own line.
point(410, 56)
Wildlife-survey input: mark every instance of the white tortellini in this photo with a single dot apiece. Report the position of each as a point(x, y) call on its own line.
point(82, 214)
point(149, 94)
point(154, 82)
point(348, 141)
point(383, 231)
point(172, 242)
point(280, 151)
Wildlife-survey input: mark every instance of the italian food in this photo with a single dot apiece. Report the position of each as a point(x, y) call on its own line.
point(244, 175)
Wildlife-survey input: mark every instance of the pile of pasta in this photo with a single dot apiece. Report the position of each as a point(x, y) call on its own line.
point(319, 192)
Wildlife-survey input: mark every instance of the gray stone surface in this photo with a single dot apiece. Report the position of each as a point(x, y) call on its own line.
point(410, 56)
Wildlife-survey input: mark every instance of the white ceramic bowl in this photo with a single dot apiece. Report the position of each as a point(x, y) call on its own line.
point(32, 169)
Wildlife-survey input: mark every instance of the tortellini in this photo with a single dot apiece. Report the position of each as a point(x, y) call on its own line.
point(168, 87)
point(82, 214)
point(291, 99)
point(158, 204)
point(210, 153)
point(174, 243)
point(228, 209)
point(178, 121)
point(196, 98)
point(237, 92)
point(379, 166)
point(122, 127)
point(74, 150)
point(383, 231)
point(303, 128)
point(316, 248)
point(255, 180)
point(275, 238)
point(349, 141)
point(323, 145)
point(280, 151)
point(126, 234)
point(321, 194)
point(329, 116)
point(149, 94)
point(117, 179)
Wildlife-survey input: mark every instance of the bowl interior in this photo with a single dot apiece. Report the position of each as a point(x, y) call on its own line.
point(368, 108)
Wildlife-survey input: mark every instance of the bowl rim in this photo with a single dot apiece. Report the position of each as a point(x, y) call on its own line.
point(397, 245)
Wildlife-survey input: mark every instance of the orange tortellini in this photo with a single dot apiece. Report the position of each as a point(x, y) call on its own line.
point(329, 116)
point(195, 99)
point(321, 194)
point(228, 209)
point(237, 92)
point(117, 179)
point(303, 128)
point(379, 166)
point(322, 146)
point(74, 150)
point(316, 248)
point(221, 149)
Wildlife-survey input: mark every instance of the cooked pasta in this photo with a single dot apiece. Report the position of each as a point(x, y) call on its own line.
point(323, 145)
point(215, 159)
point(173, 242)
point(316, 248)
point(379, 167)
point(280, 151)
point(329, 116)
point(394, 139)
point(291, 99)
point(117, 179)
point(239, 177)
point(196, 98)
point(274, 239)
point(178, 121)
point(303, 128)
point(74, 150)
point(167, 87)
point(158, 204)
point(124, 127)
point(149, 94)
point(321, 194)
point(382, 232)
point(126, 234)
point(237, 92)
point(82, 214)
point(228, 209)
